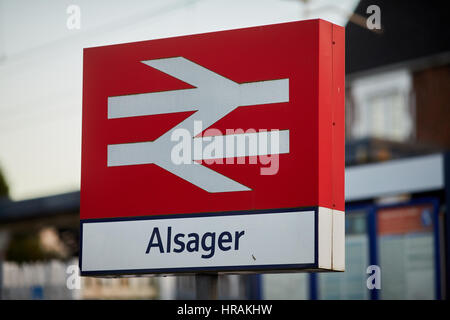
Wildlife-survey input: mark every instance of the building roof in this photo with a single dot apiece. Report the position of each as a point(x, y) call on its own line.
point(411, 29)
point(39, 207)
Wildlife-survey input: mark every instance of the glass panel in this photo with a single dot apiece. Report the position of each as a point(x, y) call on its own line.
point(350, 284)
point(406, 252)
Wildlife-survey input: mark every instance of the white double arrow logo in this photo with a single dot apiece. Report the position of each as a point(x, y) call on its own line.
point(213, 97)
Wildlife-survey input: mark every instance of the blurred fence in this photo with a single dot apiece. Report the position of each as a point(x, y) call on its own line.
point(58, 280)
point(40, 280)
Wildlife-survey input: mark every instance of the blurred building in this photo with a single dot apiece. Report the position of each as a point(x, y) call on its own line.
point(398, 82)
point(397, 162)
point(397, 185)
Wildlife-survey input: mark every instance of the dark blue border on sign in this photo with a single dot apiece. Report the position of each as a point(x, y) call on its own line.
point(215, 269)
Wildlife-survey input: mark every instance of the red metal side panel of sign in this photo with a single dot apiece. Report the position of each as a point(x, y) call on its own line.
point(331, 119)
point(310, 54)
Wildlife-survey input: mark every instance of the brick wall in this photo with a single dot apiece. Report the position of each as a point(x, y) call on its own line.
point(432, 91)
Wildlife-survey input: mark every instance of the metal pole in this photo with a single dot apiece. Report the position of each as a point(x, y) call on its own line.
point(206, 286)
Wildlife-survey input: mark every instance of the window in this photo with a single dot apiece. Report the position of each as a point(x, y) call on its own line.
point(382, 106)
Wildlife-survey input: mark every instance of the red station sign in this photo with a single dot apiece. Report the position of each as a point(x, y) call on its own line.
point(247, 121)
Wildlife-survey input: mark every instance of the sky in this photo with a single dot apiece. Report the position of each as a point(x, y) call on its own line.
point(41, 69)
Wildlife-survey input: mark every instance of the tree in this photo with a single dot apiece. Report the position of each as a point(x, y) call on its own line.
point(4, 189)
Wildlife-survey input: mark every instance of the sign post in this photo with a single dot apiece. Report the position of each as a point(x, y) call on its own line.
point(220, 152)
point(206, 286)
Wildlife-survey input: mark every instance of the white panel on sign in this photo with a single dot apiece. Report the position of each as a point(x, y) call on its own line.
point(226, 241)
